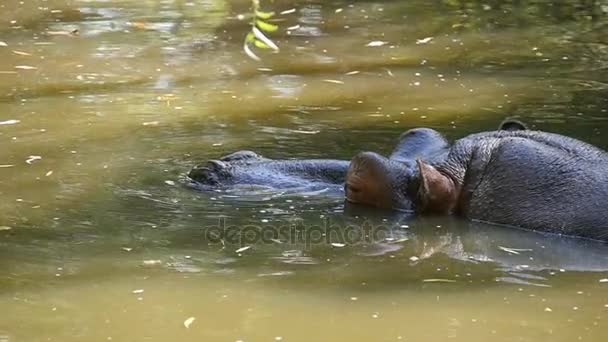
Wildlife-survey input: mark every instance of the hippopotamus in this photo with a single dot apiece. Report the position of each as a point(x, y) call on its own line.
point(246, 168)
point(529, 179)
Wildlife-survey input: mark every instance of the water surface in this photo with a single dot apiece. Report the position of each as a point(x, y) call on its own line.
point(105, 105)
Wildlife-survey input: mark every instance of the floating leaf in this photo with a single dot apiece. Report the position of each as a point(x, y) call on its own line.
point(439, 281)
point(9, 122)
point(242, 249)
point(424, 40)
point(266, 27)
point(263, 15)
point(189, 322)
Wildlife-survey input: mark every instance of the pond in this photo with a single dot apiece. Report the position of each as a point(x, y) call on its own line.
point(106, 105)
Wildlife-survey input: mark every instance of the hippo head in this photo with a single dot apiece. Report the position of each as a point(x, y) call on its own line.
point(379, 182)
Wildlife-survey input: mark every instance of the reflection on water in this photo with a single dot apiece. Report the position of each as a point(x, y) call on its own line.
point(104, 106)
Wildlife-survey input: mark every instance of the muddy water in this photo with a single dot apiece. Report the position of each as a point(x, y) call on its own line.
point(104, 106)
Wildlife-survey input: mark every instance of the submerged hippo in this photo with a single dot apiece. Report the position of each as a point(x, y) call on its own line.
point(246, 168)
point(530, 179)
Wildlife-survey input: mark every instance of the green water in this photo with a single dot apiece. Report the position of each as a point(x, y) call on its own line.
point(101, 240)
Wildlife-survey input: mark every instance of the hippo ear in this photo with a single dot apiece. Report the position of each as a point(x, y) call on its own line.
point(437, 193)
point(512, 125)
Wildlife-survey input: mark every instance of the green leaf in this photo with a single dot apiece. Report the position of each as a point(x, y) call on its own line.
point(263, 15)
point(260, 44)
point(266, 27)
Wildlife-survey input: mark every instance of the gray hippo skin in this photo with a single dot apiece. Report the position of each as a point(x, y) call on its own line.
point(380, 182)
point(530, 179)
point(246, 168)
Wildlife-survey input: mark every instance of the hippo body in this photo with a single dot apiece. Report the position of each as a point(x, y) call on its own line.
point(530, 179)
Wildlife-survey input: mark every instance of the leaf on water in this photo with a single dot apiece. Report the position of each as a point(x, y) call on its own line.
point(289, 11)
point(5, 228)
point(334, 81)
point(264, 15)
point(424, 40)
point(138, 291)
point(188, 322)
point(398, 240)
point(32, 159)
point(25, 67)
point(3, 43)
point(152, 262)
point(21, 53)
point(338, 245)
point(266, 27)
point(376, 43)
point(439, 281)
point(514, 250)
point(242, 249)
point(9, 122)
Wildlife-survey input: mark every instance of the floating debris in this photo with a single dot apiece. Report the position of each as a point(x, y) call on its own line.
point(334, 81)
point(32, 159)
point(127, 249)
point(6, 166)
point(188, 322)
point(437, 280)
point(5, 228)
point(138, 291)
point(354, 72)
point(376, 43)
point(152, 262)
point(3, 43)
point(414, 258)
point(9, 122)
point(513, 250)
point(242, 249)
point(605, 280)
point(170, 182)
point(424, 40)
point(49, 173)
point(21, 53)
point(338, 245)
point(289, 11)
point(25, 67)
point(548, 310)
point(151, 123)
